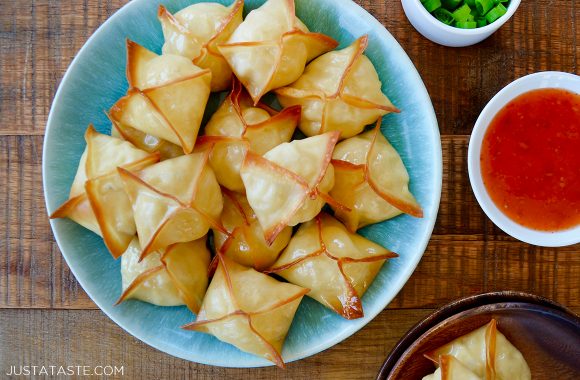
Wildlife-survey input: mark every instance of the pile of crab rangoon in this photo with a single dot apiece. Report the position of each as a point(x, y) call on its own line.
point(161, 183)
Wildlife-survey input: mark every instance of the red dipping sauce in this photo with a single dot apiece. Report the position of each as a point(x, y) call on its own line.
point(530, 159)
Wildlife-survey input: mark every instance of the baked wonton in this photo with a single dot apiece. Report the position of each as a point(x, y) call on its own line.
point(271, 48)
point(487, 353)
point(371, 181)
point(176, 276)
point(451, 369)
point(236, 127)
point(174, 201)
point(112, 207)
point(248, 309)
point(102, 156)
point(244, 241)
point(290, 183)
point(167, 97)
point(195, 31)
point(339, 91)
point(337, 265)
point(146, 142)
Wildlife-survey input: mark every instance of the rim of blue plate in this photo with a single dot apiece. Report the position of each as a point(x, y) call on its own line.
point(396, 287)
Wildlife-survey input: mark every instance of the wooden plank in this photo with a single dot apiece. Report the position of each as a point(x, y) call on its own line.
point(40, 38)
point(452, 268)
point(33, 273)
point(467, 253)
point(459, 212)
point(90, 338)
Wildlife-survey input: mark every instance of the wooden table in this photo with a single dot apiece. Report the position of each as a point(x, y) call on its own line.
point(47, 319)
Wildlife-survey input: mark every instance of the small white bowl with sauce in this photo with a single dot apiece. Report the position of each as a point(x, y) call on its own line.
point(541, 80)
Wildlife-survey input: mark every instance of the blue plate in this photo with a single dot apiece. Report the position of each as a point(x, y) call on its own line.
point(96, 79)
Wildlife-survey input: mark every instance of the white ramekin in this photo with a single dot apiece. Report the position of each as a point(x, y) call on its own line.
point(547, 79)
point(446, 35)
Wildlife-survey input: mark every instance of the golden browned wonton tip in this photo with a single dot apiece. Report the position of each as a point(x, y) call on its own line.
point(339, 91)
point(486, 353)
point(244, 241)
point(167, 98)
point(371, 180)
point(271, 48)
point(236, 127)
point(144, 141)
point(248, 309)
point(178, 276)
point(195, 31)
point(78, 209)
point(174, 201)
point(337, 265)
point(290, 183)
point(102, 155)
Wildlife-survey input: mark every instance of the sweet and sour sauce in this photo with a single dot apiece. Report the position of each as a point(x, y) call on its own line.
point(530, 159)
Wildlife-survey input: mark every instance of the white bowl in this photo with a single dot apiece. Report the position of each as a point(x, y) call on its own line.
point(446, 35)
point(547, 79)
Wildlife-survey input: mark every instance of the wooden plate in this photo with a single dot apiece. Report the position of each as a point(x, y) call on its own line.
point(547, 334)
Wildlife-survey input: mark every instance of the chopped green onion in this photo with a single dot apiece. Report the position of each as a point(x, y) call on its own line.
point(481, 22)
point(431, 5)
point(461, 13)
point(466, 24)
point(495, 13)
point(483, 6)
point(451, 4)
point(443, 15)
point(466, 13)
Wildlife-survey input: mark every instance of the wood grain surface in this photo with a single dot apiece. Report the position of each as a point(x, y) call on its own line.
point(467, 254)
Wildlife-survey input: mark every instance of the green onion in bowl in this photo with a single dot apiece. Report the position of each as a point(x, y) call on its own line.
point(495, 13)
point(466, 14)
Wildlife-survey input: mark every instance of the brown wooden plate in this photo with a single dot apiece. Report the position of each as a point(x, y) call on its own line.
point(547, 334)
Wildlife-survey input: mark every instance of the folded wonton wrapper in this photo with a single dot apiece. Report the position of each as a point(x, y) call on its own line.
point(238, 126)
point(271, 48)
point(144, 141)
point(290, 183)
point(248, 309)
point(102, 156)
point(451, 369)
point(244, 241)
point(112, 207)
point(371, 181)
point(195, 31)
point(338, 266)
point(178, 276)
point(339, 91)
point(167, 97)
point(174, 201)
point(487, 353)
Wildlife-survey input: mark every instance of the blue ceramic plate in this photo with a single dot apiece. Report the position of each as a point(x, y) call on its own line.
point(96, 79)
